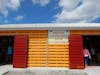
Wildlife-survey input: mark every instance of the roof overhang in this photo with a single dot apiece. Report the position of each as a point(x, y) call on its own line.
point(52, 26)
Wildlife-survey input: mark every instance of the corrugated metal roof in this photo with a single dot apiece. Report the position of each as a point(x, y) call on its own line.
point(52, 26)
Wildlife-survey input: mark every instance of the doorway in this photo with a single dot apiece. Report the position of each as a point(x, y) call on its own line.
point(92, 43)
point(6, 49)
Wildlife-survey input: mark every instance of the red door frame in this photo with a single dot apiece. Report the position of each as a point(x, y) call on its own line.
point(76, 52)
point(20, 51)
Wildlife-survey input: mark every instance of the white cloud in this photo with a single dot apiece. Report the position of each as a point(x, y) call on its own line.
point(19, 17)
point(68, 5)
point(14, 4)
point(8, 4)
point(41, 2)
point(86, 12)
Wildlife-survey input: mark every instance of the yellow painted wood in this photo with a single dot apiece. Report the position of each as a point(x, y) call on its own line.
point(30, 50)
point(35, 39)
point(37, 56)
point(85, 32)
point(37, 62)
point(58, 46)
point(36, 65)
point(36, 53)
point(62, 46)
point(58, 59)
point(58, 55)
point(43, 62)
point(37, 49)
point(37, 45)
point(37, 42)
point(38, 59)
point(37, 36)
point(62, 56)
point(23, 32)
point(65, 49)
point(62, 65)
point(58, 65)
point(60, 62)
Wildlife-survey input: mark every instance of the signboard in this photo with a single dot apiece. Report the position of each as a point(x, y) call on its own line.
point(58, 36)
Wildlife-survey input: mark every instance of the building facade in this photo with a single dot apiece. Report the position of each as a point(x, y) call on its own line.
point(48, 45)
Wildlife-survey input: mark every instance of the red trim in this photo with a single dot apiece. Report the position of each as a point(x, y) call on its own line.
point(20, 52)
point(76, 52)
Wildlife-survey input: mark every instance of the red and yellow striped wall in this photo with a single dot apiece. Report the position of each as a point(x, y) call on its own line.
point(39, 53)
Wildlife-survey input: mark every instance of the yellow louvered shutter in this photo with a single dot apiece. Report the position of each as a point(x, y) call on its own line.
point(58, 55)
point(37, 49)
point(42, 53)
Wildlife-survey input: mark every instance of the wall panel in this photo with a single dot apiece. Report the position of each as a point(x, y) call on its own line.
point(58, 55)
point(37, 49)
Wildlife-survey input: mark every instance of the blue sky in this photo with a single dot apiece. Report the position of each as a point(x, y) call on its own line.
point(49, 11)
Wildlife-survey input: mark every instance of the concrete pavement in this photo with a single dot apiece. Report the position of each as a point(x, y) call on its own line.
point(94, 70)
point(5, 68)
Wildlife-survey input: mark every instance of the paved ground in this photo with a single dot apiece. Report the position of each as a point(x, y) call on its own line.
point(48, 71)
point(93, 70)
point(5, 68)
